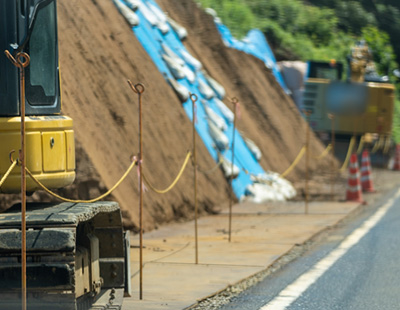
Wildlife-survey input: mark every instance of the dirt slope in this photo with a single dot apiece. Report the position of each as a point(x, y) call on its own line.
point(269, 116)
point(98, 53)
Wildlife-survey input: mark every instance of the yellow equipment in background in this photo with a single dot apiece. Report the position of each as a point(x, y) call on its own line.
point(375, 116)
point(363, 104)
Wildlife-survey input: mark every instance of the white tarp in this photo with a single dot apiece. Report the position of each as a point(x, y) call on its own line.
point(293, 73)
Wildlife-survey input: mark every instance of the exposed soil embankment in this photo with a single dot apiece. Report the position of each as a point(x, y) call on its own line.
point(269, 116)
point(98, 53)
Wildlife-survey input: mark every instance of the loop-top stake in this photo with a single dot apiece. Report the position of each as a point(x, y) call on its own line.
point(235, 102)
point(332, 118)
point(21, 61)
point(193, 98)
point(139, 89)
point(306, 198)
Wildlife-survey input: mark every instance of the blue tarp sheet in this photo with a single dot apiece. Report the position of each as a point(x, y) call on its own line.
point(254, 44)
point(151, 38)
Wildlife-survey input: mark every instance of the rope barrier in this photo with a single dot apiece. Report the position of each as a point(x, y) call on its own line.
point(209, 171)
point(324, 153)
point(82, 201)
point(349, 151)
point(189, 154)
point(296, 161)
point(5, 176)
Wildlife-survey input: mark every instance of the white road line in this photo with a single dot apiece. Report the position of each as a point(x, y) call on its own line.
point(298, 287)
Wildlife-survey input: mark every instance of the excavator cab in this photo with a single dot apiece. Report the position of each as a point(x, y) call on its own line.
point(77, 253)
point(34, 31)
point(31, 26)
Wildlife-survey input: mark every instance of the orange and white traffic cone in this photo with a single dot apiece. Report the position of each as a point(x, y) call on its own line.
point(354, 185)
point(396, 165)
point(366, 179)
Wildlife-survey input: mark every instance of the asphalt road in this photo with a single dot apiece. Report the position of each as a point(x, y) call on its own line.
point(355, 267)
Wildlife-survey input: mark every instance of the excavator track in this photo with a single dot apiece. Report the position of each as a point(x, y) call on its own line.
point(75, 256)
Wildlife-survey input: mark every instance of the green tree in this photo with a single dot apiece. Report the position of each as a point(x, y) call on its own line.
point(382, 51)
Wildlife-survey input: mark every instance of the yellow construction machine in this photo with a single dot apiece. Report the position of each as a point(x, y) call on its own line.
point(65, 255)
point(362, 104)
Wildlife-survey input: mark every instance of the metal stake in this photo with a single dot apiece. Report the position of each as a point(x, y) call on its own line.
point(22, 61)
point(307, 113)
point(332, 117)
point(193, 97)
point(235, 102)
point(139, 89)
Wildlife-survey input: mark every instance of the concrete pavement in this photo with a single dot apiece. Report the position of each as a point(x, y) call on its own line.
point(260, 235)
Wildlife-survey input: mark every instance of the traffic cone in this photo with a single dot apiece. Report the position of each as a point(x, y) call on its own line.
point(366, 179)
point(396, 165)
point(354, 185)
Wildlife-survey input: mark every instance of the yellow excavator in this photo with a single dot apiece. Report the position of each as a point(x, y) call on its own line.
point(76, 255)
point(364, 103)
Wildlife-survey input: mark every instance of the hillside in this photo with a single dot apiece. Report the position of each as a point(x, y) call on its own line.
point(98, 53)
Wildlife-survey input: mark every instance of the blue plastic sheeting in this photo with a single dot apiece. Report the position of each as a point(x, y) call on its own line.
point(151, 38)
point(254, 44)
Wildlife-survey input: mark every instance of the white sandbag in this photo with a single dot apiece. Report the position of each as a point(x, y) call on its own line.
point(280, 185)
point(220, 139)
point(168, 51)
point(226, 112)
point(254, 149)
point(190, 75)
point(226, 166)
point(162, 24)
point(214, 117)
point(163, 27)
point(148, 14)
point(205, 90)
point(133, 4)
point(191, 61)
point(179, 30)
point(181, 91)
point(127, 13)
point(157, 12)
point(174, 67)
point(260, 193)
point(211, 12)
point(217, 87)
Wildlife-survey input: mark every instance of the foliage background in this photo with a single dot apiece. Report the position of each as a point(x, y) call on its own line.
point(321, 30)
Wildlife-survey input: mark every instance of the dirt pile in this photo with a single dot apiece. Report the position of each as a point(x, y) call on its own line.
point(98, 53)
point(269, 116)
